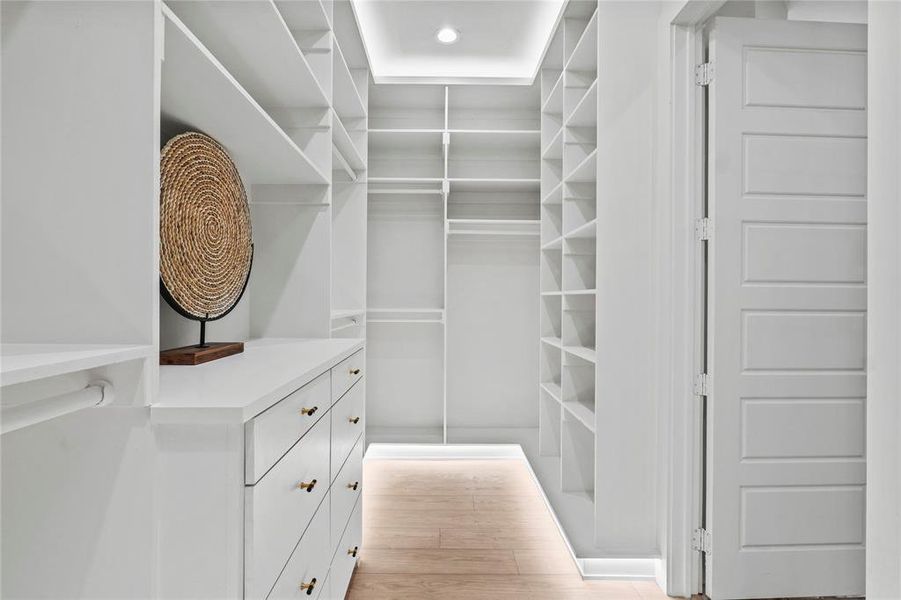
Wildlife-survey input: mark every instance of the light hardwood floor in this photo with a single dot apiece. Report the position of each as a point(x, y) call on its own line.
point(467, 529)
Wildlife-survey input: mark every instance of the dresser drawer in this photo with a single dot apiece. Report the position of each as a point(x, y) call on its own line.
point(345, 558)
point(347, 424)
point(277, 509)
point(308, 564)
point(272, 433)
point(346, 490)
point(346, 373)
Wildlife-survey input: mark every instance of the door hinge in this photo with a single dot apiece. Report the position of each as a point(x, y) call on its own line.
point(703, 383)
point(704, 74)
point(701, 541)
point(703, 229)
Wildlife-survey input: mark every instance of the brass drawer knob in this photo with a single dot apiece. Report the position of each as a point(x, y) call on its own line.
point(354, 420)
point(308, 411)
point(308, 486)
point(355, 371)
point(353, 551)
point(353, 486)
point(308, 586)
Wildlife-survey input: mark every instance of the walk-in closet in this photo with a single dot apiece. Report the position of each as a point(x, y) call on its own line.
point(439, 299)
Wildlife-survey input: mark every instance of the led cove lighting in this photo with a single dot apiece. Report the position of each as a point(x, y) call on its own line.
point(447, 35)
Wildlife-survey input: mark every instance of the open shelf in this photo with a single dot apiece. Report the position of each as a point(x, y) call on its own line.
point(584, 54)
point(252, 41)
point(199, 93)
point(405, 315)
point(511, 227)
point(406, 155)
point(585, 113)
point(554, 148)
point(309, 14)
point(552, 389)
point(553, 105)
point(554, 244)
point(493, 185)
point(20, 363)
point(555, 196)
point(552, 341)
point(586, 170)
point(346, 99)
point(346, 146)
point(576, 457)
point(586, 231)
point(586, 354)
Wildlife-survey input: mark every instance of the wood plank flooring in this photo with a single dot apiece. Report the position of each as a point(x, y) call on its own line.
point(467, 529)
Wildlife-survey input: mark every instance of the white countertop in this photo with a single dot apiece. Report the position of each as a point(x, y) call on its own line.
point(236, 388)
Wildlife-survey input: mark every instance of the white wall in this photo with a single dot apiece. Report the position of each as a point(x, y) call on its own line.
point(884, 303)
point(79, 245)
point(626, 475)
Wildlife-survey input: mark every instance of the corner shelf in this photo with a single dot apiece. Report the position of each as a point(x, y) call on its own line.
point(20, 363)
point(199, 93)
point(586, 171)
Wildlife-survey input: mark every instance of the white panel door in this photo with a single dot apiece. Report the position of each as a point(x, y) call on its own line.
point(787, 298)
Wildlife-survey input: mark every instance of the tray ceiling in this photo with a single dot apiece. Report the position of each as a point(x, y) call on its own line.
point(500, 41)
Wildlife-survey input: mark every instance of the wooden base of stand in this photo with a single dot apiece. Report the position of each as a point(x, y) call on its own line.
point(197, 355)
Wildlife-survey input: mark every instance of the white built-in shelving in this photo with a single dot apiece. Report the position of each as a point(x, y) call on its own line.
point(283, 86)
point(454, 179)
point(568, 273)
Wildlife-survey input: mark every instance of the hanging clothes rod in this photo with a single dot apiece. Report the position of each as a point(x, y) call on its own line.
point(96, 393)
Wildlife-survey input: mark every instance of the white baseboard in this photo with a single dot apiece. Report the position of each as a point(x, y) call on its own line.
point(590, 568)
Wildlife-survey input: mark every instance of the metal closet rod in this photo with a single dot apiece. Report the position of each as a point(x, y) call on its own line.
point(95, 394)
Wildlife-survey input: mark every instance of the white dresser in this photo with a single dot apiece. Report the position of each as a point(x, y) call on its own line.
point(259, 474)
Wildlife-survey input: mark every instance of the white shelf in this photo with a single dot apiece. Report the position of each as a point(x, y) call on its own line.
point(555, 196)
point(552, 293)
point(587, 354)
point(585, 231)
point(554, 149)
point(346, 99)
point(586, 171)
point(555, 244)
point(306, 14)
point(553, 390)
point(502, 227)
point(581, 412)
point(552, 341)
point(580, 292)
point(20, 363)
point(253, 42)
point(554, 103)
point(585, 113)
point(346, 146)
point(199, 93)
point(584, 55)
point(340, 165)
point(494, 185)
point(405, 315)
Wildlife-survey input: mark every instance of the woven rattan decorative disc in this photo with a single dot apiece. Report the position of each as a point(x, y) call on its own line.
point(205, 235)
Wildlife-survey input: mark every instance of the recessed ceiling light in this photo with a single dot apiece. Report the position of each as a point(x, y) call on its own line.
point(447, 35)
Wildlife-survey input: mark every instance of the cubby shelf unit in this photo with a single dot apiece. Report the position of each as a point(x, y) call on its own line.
point(568, 275)
point(454, 183)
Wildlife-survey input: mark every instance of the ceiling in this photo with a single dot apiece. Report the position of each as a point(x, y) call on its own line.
point(501, 41)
